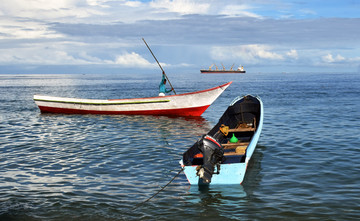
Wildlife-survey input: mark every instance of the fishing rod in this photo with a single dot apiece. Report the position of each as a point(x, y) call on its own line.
point(159, 65)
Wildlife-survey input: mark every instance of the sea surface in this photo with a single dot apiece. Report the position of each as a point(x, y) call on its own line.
point(98, 167)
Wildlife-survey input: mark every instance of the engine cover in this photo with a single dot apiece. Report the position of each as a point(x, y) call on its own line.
point(213, 155)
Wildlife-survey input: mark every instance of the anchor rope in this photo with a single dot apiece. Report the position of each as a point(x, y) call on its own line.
point(140, 204)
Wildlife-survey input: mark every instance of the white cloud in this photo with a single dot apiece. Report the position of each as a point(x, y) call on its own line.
point(338, 60)
point(292, 54)
point(24, 29)
point(23, 19)
point(238, 10)
point(252, 54)
point(133, 3)
point(247, 53)
point(40, 57)
point(35, 32)
point(204, 7)
point(100, 3)
point(48, 54)
point(32, 19)
point(47, 9)
point(107, 3)
point(133, 59)
point(355, 59)
point(181, 6)
point(307, 12)
point(329, 58)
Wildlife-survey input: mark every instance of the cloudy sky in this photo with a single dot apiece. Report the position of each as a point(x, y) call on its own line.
point(105, 36)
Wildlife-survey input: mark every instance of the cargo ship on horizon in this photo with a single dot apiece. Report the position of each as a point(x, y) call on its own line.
point(240, 69)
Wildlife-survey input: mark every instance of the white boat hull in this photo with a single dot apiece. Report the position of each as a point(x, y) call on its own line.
point(188, 104)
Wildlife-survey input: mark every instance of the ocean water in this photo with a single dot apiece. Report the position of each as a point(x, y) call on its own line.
point(97, 167)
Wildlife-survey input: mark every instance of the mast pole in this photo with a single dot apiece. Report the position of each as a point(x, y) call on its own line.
point(159, 65)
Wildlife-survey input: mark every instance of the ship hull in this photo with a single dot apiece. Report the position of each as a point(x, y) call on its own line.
point(222, 72)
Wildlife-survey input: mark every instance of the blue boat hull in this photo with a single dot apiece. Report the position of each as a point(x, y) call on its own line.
point(229, 174)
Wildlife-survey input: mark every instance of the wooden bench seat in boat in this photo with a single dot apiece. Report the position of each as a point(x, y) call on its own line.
point(238, 151)
point(234, 145)
point(234, 154)
point(241, 127)
point(238, 148)
point(231, 149)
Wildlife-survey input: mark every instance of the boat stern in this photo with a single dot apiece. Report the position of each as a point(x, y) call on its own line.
point(229, 174)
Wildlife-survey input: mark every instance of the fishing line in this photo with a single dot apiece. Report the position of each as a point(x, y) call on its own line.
point(140, 204)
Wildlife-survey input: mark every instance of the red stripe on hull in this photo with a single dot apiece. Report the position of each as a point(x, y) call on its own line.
point(194, 111)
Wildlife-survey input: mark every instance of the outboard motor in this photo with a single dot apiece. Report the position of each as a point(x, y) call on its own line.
point(213, 155)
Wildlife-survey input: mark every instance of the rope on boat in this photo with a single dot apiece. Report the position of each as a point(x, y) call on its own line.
point(140, 204)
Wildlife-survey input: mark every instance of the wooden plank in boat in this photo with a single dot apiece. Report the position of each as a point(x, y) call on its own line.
point(233, 154)
point(234, 147)
point(241, 129)
point(235, 144)
point(239, 150)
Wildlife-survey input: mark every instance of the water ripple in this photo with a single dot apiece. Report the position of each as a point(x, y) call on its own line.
point(94, 167)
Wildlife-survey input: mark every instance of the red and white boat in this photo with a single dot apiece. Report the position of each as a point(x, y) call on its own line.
point(188, 104)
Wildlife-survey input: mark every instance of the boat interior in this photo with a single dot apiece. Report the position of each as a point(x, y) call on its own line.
point(233, 131)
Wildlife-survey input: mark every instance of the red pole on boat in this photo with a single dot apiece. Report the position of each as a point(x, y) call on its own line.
point(159, 65)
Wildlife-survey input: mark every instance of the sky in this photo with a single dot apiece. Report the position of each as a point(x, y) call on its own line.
point(105, 36)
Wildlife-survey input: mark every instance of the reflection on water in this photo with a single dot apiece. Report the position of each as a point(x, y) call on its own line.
point(254, 173)
point(229, 195)
point(152, 140)
point(216, 195)
point(89, 159)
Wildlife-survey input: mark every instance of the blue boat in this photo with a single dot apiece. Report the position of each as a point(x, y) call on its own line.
point(221, 156)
